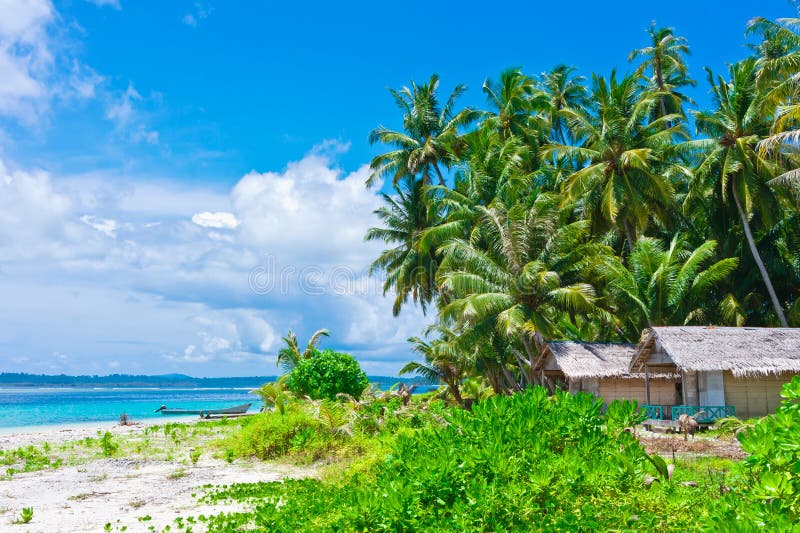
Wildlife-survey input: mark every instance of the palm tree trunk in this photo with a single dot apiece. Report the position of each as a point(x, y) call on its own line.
point(439, 173)
point(757, 257)
point(660, 81)
point(630, 234)
point(513, 386)
point(529, 350)
point(522, 370)
point(454, 390)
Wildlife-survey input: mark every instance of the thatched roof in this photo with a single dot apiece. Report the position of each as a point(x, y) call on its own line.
point(579, 360)
point(743, 351)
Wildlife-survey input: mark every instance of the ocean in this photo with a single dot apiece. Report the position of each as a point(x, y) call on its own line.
point(48, 406)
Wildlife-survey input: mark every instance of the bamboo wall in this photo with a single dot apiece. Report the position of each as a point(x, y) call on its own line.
point(754, 396)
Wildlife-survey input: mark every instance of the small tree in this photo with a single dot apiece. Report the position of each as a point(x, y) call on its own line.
point(327, 373)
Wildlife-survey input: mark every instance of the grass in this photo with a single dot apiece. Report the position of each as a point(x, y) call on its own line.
point(160, 442)
point(381, 447)
point(178, 474)
point(558, 463)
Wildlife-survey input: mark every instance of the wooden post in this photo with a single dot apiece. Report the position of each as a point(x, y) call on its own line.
point(646, 385)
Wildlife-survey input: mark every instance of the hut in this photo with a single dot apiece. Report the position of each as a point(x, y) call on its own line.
point(721, 370)
point(601, 369)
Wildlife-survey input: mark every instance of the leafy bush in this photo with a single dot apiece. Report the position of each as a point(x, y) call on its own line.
point(26, 515)
point(766, 494)
point(327, 373)
point(272, 435)
point(515, 462)
point(108, 445)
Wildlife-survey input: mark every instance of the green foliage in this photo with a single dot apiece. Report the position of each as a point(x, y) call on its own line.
point(326, 374)
point(194, 455)
point(26, 515)
point(108, 445)
point(274, 395)
point(271, 435)
point(586, 210)
point(767, 493)
point(557, 462)
point(290, 355)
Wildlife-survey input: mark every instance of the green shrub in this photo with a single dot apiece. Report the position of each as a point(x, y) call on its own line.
point(515, 462)
point(25, 516)
point(327, 373)
point(194, 455)
point(108, 445)
point(766, 494)
point(271, 435)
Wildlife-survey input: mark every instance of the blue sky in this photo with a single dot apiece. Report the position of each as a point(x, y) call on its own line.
point(154, 155)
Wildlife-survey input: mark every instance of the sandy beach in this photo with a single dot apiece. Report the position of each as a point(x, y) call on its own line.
point(137, 492)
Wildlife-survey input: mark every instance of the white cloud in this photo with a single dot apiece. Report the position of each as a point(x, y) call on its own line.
point(106, 226)
point(83, 80)
point(25, 57)
point(134, 259)
point(121, 111)
point(201, 12)
point(127, 118)
point(309, 212)
point(217, 220)
point(110, 3)
point(37, 62)
point(32, 214)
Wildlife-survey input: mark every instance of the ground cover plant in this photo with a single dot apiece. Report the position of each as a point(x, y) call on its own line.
point(766, 487)
point(521, 462)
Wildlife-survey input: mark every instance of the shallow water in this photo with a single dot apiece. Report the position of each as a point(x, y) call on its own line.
point(40, 406)
point(20, 407)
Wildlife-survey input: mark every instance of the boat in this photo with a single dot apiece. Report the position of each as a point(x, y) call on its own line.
point(235, 410)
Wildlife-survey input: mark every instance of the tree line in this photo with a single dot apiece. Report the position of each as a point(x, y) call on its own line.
point(593, 208)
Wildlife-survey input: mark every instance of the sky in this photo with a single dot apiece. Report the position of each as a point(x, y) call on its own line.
point(183, 182)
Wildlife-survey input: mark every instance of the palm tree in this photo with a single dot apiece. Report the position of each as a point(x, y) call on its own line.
point(664, 287)
point(290, 355)
point(625, 176)
point(731, 164)
point(410, 268)
point(664, 59)
point(564, 91)
point(429, 138)
point(442, 360)
point(514, 100)
point(513, 288)
point(497, 168)
point(778, 66)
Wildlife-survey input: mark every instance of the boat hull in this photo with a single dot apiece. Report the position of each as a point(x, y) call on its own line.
point(236, 410)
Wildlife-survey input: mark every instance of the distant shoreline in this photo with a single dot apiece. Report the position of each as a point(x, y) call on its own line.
point(19, 380)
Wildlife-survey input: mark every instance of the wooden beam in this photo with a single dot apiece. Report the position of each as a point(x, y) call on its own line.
point(647, 385)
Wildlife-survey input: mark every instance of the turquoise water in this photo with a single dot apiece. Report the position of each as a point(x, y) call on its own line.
point(36, 406)
point(51, 406)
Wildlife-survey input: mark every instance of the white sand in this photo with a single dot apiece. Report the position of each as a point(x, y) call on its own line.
point(119, 491)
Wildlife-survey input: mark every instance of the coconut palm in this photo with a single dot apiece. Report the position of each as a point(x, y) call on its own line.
point(496, 168)
point(624, 180)
point(430, 135)
point(564, 90)
point(410, 269)
point(664, 59)
point(516, 286)
point(442, 361)
point(730, 163)
point(778, 65)
point(514, 100)
point(661, 286)
point(290, 355)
